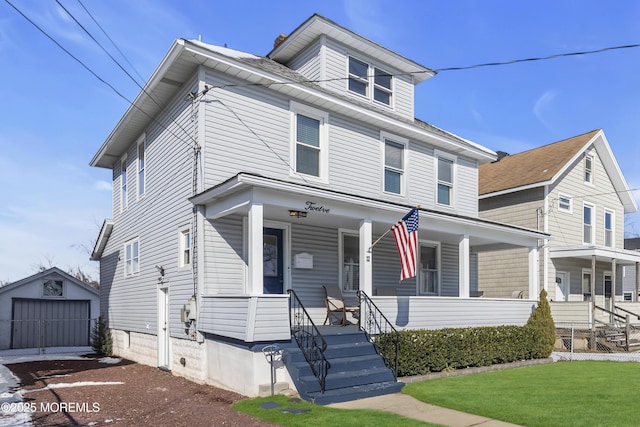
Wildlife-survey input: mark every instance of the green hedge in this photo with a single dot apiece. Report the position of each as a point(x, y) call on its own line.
point(424, 351)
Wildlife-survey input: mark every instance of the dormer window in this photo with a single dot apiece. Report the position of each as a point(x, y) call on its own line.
point(363, 77)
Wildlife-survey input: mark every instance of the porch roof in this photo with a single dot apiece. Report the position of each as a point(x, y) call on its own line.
point(602, 254)
point(331, 208)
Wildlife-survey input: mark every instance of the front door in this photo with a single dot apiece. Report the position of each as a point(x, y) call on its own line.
point(273, 267)
point(163, 328)
point(562, 286)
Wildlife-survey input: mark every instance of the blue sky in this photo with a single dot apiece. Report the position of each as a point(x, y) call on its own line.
point(55, 114)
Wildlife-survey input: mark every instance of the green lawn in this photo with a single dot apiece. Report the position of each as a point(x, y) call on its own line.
point(319, 416)
point(586, 393)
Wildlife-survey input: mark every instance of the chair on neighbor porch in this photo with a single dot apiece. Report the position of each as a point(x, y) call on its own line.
point(336, 304)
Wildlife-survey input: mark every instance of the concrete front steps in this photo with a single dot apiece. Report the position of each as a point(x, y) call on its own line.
point(355, 369)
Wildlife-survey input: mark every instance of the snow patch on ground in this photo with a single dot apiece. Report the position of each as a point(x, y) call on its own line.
point(76, 384)
point(110, 360)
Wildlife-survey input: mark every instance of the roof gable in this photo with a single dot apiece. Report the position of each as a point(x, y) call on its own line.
point(46, 273)
point(545, 165)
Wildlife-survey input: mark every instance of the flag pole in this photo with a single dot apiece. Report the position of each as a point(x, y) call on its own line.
point(385, 233)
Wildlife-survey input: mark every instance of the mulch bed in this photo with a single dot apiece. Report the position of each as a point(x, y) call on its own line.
point(147, 396)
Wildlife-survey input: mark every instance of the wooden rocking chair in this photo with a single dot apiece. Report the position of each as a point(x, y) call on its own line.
point(335, 303)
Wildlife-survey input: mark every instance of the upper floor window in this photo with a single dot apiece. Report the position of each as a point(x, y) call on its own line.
point(588, 169)
point(309, 149)
point(587, 224)
point(185, 247)
point(445, 180)
point(609, 235)
point(124, 200)
point(141, 159)
point(370, 82)
point(52, 288)
point(428, 275)
point(393, 166)
point(132, 257)
point(564, 203)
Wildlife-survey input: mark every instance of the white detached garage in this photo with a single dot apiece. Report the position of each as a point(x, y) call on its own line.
point(48, 309)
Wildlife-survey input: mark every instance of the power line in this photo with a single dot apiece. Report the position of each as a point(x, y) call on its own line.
point(112, 42)
point(93, 73)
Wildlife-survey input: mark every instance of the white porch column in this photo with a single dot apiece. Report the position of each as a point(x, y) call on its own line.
point(613, 284)
point(366, 257)
point(637, 287)
point(254, 250)
point(534, 272)
point(463, 266)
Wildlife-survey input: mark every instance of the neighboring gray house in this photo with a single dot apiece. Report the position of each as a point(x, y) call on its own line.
point(239, 177)
point(48, 309)
point(630, 276)
point(574, 190)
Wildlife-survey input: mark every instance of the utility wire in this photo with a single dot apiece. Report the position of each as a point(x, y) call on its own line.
point(112, 42)
point(119, 65)
point(86, 67)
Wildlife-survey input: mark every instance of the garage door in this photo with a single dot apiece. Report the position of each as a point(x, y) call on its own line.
point(50, 323)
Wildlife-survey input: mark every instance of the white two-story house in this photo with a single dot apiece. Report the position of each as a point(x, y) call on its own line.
point(573, 190)
point(238, 177)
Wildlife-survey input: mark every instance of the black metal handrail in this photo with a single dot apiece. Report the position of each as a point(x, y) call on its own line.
point(619, 316)
point(374, 323)
point(627, 311)
point(309, 339)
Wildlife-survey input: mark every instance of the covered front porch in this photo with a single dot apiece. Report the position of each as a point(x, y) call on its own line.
point(275, 235)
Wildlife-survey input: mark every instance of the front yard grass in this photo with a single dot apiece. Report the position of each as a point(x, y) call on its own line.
point(584, 393)
point(320, 415)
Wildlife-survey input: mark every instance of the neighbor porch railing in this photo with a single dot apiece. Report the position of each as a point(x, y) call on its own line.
point(309, 339)
point(374, 323)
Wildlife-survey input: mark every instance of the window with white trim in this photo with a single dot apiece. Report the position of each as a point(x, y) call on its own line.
point(350, 264)
point(429, 271)
point(609, 236)
point(309, 141)
point(141, 173)
point(132, 257)
point(394, 167)
point(586, 285)
point(588, 219)
point(124, 199)
point(565, 203)
point(445, 179)
point(363, 77)
point(588, 169)
point(185, 247)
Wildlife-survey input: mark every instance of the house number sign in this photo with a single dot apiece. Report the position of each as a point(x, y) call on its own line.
point(314, 207)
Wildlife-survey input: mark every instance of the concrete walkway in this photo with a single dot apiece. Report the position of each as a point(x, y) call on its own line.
point(405, 405)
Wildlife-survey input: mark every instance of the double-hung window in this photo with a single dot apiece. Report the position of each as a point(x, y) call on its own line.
point(445, 166)
point(608, 228)
point(141, 160)
point(309, 141)
point(370, 81)
point(132, 257)
point(564, 203)
point(587, 224)
point(185, 247)
point(124, 199)
point(428, 275)
point(588, 169)
point(350, 265)
point(394, 166)
point(586, 285)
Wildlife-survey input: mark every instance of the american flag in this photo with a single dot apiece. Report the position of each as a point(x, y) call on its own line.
point(405, 232)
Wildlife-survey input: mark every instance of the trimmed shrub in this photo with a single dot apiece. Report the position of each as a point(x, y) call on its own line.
point(101, 338)
point(543, 328)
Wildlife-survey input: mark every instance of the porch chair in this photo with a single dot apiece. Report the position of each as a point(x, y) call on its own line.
point(335, 303)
